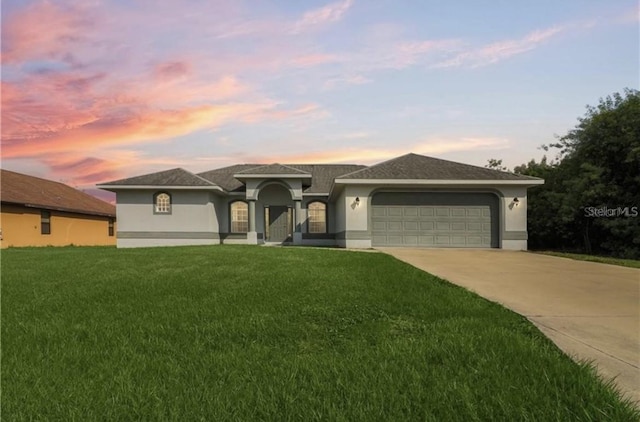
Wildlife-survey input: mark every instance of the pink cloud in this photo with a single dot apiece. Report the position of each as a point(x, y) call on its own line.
point(44, 29)
point(172, 70)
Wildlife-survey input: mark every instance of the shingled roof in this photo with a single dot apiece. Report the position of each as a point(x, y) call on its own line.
point(21, 189)
point(274, 169)
point(322, 175)
point(173, 177)
point(414, 166)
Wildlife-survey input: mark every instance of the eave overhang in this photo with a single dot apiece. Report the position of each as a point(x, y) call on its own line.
point(339, 184)
point(114, 188)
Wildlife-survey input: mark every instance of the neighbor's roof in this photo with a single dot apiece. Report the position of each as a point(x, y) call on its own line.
point(414, 166)
point(17, 188)
point(173, 177)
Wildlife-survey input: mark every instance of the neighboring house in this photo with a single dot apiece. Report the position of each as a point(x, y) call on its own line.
point(411, 200)
point(39, 212)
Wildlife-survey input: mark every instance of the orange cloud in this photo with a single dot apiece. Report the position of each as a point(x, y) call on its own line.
point(128, 128)
point(435, 146)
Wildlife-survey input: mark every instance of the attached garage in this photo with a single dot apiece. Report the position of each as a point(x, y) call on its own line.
point(435, 219)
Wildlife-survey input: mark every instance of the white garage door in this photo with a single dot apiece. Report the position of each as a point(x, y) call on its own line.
point(459, 220)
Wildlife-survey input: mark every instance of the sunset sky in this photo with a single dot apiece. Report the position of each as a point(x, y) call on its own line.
point(96, 90)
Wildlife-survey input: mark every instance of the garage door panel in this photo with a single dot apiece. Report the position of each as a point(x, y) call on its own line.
point(427, 212)
point(411, 212)
point(379, 212)
point(379, 225)
point(426, 240)
point(443, 240)
point(427, 225)
point(410, 240)
point(411, 226)
point(394, 226)
point(443, 226)
point(395, 240)
point(474, 227)
point(474, 212)
point(474, 241)
point(434, 219)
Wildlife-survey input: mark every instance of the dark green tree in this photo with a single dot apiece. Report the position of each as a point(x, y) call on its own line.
point(598, 168)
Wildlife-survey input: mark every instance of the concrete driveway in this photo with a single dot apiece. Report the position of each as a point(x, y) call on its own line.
point(591, 311)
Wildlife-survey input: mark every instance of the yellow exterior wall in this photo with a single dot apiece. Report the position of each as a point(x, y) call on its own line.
point(21, 227)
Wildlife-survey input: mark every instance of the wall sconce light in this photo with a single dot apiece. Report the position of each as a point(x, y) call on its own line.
point(516, 202)
point(357, 201)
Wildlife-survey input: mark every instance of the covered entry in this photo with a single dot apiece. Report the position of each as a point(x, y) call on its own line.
point(436, 219)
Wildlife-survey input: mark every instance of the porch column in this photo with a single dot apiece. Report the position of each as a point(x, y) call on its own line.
point(252, 236)
point(297, 232)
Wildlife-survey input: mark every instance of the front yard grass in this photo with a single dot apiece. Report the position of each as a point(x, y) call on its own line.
point(632, 263)
point(255, 333)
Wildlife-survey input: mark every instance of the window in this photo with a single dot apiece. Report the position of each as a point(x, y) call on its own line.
point(239, 217)
point(162, 203)
point(111, 221)
point(45, 222)
point(317, 222)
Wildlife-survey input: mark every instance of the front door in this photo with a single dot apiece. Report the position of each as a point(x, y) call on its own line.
point(278, 223)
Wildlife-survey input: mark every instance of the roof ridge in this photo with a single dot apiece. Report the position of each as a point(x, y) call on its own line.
point(248, 171)
point(199, 177)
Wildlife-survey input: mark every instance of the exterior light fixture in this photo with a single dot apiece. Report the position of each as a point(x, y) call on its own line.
point(357, 201)
point(516, 202)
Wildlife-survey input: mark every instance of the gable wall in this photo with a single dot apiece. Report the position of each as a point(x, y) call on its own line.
point(193, 219)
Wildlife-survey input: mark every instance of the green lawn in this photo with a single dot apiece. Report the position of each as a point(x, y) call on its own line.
point(633, 263)
point(256, 333)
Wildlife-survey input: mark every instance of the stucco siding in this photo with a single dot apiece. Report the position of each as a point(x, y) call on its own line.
point(191, 211)
point(21, 226)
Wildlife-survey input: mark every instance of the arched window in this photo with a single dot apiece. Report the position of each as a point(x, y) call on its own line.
point(162, 201)
point(317, 213)
point(239, 217)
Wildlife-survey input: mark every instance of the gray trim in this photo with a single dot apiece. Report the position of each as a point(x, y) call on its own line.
point(235, 236)
point(353, 235)
point(167, 235)
point(514, 235)
point(328, 236)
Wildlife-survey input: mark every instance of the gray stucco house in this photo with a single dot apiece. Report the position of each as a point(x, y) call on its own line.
point(411, 200)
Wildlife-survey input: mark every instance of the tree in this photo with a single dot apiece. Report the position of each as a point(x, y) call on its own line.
point(494, 164)
point(598, 169)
